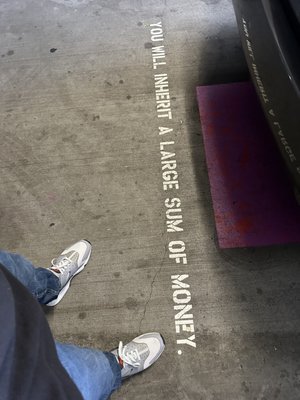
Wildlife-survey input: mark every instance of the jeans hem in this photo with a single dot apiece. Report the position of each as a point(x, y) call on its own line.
point(115, 368)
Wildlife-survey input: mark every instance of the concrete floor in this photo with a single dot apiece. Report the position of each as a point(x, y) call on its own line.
point(80, 158)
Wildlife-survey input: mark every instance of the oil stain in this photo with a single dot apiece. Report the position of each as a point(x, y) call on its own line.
point(131, 303)
point(82, 315)
point(69, 138)
point(97, 216)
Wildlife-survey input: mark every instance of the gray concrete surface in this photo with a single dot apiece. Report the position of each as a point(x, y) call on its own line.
point(80, 158)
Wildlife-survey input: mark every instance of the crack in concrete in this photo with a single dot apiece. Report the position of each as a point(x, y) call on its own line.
point(151, 288)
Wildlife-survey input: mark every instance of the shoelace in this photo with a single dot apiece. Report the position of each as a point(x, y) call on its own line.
point(62, 264)
point(129, 357)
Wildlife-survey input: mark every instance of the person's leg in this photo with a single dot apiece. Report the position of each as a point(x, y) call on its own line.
point(96, 374)
point(40, 282)
point(49, 285)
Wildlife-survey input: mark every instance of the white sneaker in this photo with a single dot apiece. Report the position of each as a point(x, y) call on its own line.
point(139, 354)
point(71, 261)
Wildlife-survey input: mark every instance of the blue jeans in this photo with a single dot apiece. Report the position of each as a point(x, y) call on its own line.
point(96, 373)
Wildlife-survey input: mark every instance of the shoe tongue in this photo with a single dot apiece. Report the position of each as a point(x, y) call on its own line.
point(133, 348)
point(72, 255)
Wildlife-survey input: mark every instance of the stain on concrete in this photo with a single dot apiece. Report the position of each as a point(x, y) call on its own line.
point(97, 216)
point(259, 291)
point(43, 134)
point(148, 45)
point(82, 315)
point(24, 162)
point(20, 38)
point(52, 224)
point(128, 97)
point(121, 81)
point(140, 264)
point(108, 83)
point(96, 117)
point(243, 298)
point(245, 387)
point(284, 374)
point(10, 52)
point(131, 303)
point(76, 201)
point(140, 24)
point(69, 138)
point(117, 274)
point(53, 50)
point(120, 252)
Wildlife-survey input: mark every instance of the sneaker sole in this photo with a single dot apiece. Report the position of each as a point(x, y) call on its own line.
point(66, 287)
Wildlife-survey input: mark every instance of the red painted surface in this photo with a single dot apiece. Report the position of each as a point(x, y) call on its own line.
point(252, 197)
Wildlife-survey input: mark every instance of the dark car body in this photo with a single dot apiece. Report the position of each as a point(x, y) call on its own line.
point(270, 33)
